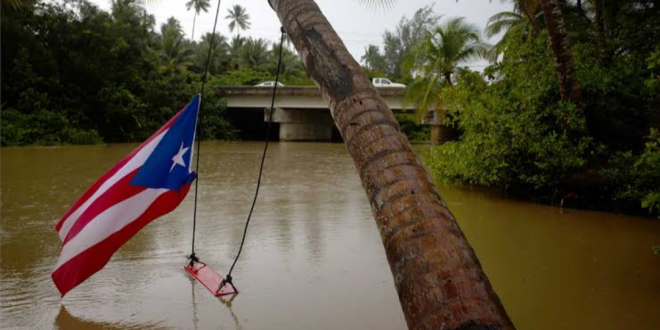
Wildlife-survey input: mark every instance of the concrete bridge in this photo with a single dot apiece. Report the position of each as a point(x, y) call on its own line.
point(300, 112)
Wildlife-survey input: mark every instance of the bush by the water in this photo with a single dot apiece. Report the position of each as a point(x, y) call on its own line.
point(516, 134)
point(413, 130)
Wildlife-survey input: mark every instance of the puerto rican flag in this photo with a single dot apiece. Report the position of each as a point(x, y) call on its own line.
point(148, 183)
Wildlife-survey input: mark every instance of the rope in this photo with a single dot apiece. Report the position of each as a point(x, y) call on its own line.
point(193, 258)
point(228, 279)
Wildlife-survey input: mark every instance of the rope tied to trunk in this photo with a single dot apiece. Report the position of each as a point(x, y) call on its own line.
point(228, 279)
point(193, 258)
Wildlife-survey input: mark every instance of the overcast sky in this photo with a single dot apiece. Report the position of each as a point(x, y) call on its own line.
point(358, 24)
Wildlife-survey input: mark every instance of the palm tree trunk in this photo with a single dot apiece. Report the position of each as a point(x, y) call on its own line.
point(192, 36)
point(599, 29)
point(437, 275)
point(447, 76)
point(580, 9)
point(530, 17)
point(561, 48)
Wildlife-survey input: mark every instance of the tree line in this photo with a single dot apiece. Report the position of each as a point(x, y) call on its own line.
point(586, 135)
point(75, 74)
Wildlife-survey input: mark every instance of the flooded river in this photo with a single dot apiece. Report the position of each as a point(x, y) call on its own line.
point(313, 258)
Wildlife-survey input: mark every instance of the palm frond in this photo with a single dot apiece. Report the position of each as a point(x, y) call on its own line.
point(13, 3)
point(385, 4)
point(505, 15)
point(494, 28)
point(239, 18)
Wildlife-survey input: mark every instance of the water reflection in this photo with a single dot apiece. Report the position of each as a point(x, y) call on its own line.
point(66, 321)
point(313, 258)
point(228, 304)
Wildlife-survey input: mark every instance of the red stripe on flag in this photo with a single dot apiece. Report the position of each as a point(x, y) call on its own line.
point(119, 192)
point(90, 261)
point(112, 172)
point(93, 189)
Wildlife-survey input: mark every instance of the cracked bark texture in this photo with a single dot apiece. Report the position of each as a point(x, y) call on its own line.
point(438, 277)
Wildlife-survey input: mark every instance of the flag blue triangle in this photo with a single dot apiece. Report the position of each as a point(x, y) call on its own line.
point(170, 164)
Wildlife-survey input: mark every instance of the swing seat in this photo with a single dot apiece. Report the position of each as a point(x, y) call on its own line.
point(209, 278)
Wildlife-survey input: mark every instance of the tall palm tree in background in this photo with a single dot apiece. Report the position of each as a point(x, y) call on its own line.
point(436, 58)
point(373, 59)
point(512, 23)
point(171, 25)
point(239, 19)
point(173, 50)
point(599, 28)
point(290, 66)
point(254, 53)
point(569, 87)
point(219, 54)
point(235, 46)
point(530, 9)
point(604, 19)
point(522, 21)
point(440, 282)
point(198, 5)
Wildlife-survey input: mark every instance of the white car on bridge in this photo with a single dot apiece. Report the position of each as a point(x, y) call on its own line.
point(383, 82)
point(270, 84)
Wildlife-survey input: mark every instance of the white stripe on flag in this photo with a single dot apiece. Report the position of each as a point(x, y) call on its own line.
point(135, 162)
point(109, 222)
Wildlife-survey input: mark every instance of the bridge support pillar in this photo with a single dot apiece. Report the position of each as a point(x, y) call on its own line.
point(302, 124)
point(434, 119)
point(436, 132)
point(439, 132)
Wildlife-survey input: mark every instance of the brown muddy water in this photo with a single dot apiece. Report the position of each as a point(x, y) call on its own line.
point(313, 258)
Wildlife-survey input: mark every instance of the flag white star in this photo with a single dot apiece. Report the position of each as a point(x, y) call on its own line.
point(178, 158)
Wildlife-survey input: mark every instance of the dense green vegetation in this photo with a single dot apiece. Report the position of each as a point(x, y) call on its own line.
point(75, 74)
point(412, 128)
point(513, 130)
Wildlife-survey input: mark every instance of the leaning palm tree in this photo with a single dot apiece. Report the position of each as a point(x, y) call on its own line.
point(239, 19)
point(436, 58)
point(438, 277)
point(199, 6)
point(440, 282)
